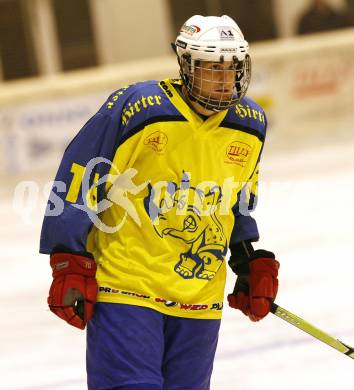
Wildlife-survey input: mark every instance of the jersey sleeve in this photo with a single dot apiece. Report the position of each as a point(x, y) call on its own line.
point(245, 227)
point(67, 220)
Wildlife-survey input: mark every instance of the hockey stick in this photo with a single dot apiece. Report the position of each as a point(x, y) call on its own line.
point(312, 330)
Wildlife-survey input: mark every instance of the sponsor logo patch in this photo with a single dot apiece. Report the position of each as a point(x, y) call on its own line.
point(238, 153)
point(226, 34)
point(157, 141)
point(190, 30)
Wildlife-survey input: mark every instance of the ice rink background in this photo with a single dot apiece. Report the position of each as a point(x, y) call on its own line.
point(305, 215)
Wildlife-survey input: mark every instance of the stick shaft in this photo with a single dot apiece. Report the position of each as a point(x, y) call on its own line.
point(312, 330)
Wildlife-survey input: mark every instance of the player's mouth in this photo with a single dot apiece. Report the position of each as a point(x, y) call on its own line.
point(223, 90)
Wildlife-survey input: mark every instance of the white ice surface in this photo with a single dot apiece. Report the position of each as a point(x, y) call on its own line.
point(305, 215)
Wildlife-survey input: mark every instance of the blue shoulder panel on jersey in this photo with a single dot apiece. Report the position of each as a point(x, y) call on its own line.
point(68, 221)
point(65, 223)
point(247, 116)
point(146, 104)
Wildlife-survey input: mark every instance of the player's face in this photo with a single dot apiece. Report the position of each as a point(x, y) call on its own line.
point(214, 80)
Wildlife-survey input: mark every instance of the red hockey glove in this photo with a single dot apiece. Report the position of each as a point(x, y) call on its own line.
point(74, 289)
point(256, 285)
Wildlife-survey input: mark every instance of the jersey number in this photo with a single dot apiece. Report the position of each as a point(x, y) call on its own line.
point(78, 172)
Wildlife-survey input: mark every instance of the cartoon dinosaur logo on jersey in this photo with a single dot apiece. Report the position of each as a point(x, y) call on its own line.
point(189, 214)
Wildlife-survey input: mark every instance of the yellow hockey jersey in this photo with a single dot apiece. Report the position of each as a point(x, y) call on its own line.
point(157, 195)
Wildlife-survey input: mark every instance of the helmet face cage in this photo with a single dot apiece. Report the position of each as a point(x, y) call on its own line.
point(215, 87)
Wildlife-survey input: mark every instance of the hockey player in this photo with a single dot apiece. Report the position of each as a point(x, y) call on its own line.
point(147, 200)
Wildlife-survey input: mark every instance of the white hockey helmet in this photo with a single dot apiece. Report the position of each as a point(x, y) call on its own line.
point(213, 39)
